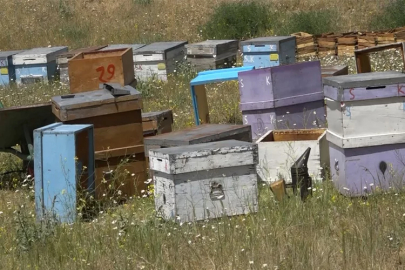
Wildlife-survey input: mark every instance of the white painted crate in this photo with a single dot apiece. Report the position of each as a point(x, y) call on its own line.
point(279, 149)
point(207, 180)
point(158, 59)
point(365, 109)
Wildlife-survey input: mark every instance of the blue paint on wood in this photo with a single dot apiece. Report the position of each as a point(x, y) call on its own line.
point(257, 52)
point(57, 171)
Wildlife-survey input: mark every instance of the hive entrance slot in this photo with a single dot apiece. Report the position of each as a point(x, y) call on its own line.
point(375, 87)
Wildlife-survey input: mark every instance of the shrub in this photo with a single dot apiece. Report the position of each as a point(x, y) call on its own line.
point(237, 20)
point(314, 22)
point(391, 16)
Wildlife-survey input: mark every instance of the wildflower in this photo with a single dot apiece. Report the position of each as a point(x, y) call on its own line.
point(250, 262)
point(264, 265)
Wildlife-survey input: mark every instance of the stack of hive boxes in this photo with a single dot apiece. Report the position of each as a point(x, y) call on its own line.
point(285, 107)
point(366, 133)
point(120, 163)
point(306, 46)
point(347, 43)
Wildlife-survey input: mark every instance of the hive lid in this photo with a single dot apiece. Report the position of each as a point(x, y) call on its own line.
point(209, 146)
point(264, 40)
point(363, 80)
point(5, 54)
point(198, 134)
point(72, 53)
point(94, 103)
point(160, 47)
point(122, 46)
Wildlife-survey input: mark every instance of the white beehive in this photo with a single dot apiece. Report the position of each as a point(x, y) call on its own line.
point(207, 180)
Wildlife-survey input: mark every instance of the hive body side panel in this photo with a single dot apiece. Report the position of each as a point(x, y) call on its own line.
point(256, 86)
point(374, 117)
point(199, 161)
point(276, 158)
point(335, 114)
point(59, 178)
point(362, 168)
point(297, 81)
point(194, 200)
point(164, 191)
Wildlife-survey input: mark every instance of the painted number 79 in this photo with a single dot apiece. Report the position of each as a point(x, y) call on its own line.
point(110, 71)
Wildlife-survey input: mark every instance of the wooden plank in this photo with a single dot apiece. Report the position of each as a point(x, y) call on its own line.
point(88, 70)
point(202, 104)
point(363, 63)
point(297, 135)
point(116, 130)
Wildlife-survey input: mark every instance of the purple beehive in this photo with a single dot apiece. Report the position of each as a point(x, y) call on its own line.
point(366, 131)
point(282, 97)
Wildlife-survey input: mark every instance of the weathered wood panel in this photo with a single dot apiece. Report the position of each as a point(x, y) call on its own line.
point(88, 70)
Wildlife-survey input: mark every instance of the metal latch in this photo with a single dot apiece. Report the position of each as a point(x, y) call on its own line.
point(115, 89)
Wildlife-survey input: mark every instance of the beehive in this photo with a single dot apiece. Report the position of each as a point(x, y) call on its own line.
point(265, 52)
point(207, 180)
point(366, 134)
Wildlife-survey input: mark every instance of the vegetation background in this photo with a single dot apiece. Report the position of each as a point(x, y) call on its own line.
point(327, 232)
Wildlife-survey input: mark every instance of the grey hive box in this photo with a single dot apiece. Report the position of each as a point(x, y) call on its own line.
point(265, 52)
point(199, 134)
point(212, 54)
point(208, 180)
point(158, 59)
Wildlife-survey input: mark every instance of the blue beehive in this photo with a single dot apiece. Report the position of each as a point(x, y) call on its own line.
point(63, 164)
point(265, 52)
point(37, 65)
point(7, 70)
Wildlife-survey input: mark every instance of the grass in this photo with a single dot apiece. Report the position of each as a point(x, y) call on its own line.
point(328, 231)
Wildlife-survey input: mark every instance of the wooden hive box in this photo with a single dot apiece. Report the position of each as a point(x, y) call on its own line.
point(154, 123)
point(282, 97)
point(159, 59)
point(334, 70)
point(279, 149)
point(63, 58)
point(199, 134)
point(366, 40)
point(88, 69)
point(347, 44)
point(118, 135)
point(365, 114)
point(212, 54)
point(205, 181)
point(263, 52)
point(306, 46)
point(37, 65)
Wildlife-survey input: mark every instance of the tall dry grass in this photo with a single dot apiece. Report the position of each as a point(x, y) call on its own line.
point(327, 232)
point(75, 23)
